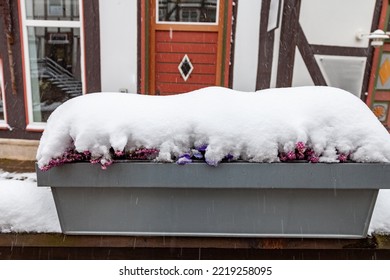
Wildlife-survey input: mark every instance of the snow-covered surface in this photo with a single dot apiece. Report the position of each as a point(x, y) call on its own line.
point(24, 207)
point(253, 126)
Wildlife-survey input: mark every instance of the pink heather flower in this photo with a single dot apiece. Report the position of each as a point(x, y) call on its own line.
point(309, 152)
point(301, 147)
point(94, 160)
point(300, 155)
point(342, 157)
point(143, 154)
point(314, 158)
point(290, 155)
point(105, 163)
point(283, 156)
point(87, 153)
point(45, 167)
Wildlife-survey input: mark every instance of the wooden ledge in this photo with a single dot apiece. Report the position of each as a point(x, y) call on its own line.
point(59, 246)
point(97, 241)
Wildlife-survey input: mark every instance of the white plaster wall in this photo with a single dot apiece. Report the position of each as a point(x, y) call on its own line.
point(335, 22)
point(275, 59)
point(118, 44)
point(246, 45)
point(301, 76)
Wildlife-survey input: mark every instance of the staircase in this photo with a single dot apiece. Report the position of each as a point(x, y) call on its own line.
point(58, 76)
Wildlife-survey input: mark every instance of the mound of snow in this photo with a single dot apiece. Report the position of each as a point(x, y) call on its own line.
point(254, 126)
point(24, 207)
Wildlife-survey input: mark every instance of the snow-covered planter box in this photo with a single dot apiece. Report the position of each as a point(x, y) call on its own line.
point(302, 162)
point(234, 199)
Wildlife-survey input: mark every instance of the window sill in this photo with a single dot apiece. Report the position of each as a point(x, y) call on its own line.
point(36, 127)
point(5, 126)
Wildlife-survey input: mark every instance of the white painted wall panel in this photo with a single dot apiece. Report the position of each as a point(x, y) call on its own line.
point(301, 76)
point(118, 44)
point(246, 45)
point(335, 22)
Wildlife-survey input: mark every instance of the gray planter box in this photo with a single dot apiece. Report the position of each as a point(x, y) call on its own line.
point(233, 199)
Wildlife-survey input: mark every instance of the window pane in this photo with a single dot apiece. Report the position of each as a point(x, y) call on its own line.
point(55, 68)
point(52, 9)
point(187, 10)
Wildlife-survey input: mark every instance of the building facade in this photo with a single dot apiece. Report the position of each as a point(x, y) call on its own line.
point(54, 50)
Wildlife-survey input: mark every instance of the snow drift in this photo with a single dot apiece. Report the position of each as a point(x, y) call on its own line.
point(261, 126)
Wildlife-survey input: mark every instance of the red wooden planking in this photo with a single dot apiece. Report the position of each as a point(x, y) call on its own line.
point(194, 58)
point(167, 89)
point(173, 68)
point(186, 37)
point(201, 48)
point(382, 96)
point(186, 48)
point(177, 78)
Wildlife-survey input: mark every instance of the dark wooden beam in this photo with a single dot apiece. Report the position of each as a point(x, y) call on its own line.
point(92, 45)
point(7, 16)
point(266, 49)
point(288, 42)
point(233, 44)
point(59, 246)
point(112, 241)
point(338, 50)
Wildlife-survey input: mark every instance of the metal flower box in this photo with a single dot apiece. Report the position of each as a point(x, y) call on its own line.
point(234, 199)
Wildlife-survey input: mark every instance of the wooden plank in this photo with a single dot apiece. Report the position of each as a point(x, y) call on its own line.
point(176, 58)
point(101, 241)
point(220, 57)
point(382, 96)
point(166, 89)
point(266, 49)
point(182, 37)
point(338, 50)
point(186, 27)
point(152, 47)
point(177, 78)
point(173, 68)
point(288, 42)
point(203, 48)
point(85, 253)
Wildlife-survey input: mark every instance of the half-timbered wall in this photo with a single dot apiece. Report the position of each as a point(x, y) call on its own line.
point(277, 43)
point(312, 43)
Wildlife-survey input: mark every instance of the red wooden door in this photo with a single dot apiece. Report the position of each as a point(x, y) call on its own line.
point(187, 45)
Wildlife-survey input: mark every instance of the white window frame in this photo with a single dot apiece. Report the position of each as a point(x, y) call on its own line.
point(188, 23)
point(25, 23)
point(3, 122)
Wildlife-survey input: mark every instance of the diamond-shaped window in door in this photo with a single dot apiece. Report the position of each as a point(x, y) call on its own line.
point(185, 67)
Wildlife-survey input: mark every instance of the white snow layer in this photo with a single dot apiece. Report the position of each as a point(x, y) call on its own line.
point(254, 126)
point(24, 207)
